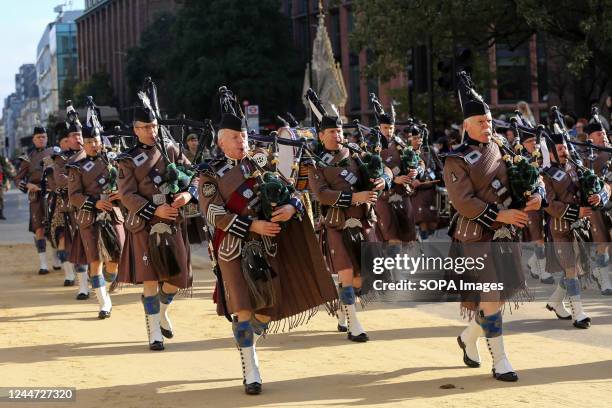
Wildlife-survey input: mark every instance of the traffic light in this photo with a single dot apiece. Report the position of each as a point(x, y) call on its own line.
point(446, 79)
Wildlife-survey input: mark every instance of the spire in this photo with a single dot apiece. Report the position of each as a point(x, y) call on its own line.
point(327, 78)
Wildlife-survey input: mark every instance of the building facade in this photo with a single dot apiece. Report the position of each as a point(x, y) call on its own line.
point(26, 93)
point(339, 22)
point(107, 29)
point(56, 62)
point(517, 74)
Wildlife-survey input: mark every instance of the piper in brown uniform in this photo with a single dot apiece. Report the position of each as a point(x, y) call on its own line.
point(394, 210)
point(349, 217)
point(29, 178)
point(566, 209)
point(424, 185)
point(93, 191)
point(534, 232)
point(70, 132)
point(599, 161)
point(475, 175)
point(59, 228)
point(270, 266)
point(194, 220)
point(155, 251)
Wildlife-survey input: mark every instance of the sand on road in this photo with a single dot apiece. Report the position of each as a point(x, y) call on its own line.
point(48, 339)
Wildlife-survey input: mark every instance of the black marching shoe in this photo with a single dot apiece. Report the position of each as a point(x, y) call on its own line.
point(468, 361)
point(342, 329)
point(156, 346)
point(68, 282)
point(252, 388)
point(43, 271)
point(82, 296)
point(103, 314)
point(360, 338)
point(552, 309)
point(167, 333)
point(583, 324)
point(507, 377)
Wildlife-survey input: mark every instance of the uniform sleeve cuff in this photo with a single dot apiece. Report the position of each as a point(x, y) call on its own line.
point(23, 186)
point(488, 216)
point(603, 195)
point(571, 213)
point(299, 207)
point(193, 190)
point(240, 227)
point(388, 181)
point(542, 192)
point(89, 204)
point(344, 200)
point(147, 211)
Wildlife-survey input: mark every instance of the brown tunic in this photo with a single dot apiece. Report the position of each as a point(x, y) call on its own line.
point(229, 198)
point(390, 224)
point(333, 187)
point(477, 183)
point(88, 180)
point(424, 197)
point(194, 224)
point(563, 197)
point(600, 226)
point(76, 250)
point(31, 171)
point(141, 171)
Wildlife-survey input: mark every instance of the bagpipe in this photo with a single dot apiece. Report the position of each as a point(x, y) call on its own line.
point(109, 246)
point(275, 190)
point(409, 158)
point(366, 154)
point(590, 183)
point(177, 177)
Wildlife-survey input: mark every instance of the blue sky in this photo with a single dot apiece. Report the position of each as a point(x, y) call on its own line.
point(22, 23)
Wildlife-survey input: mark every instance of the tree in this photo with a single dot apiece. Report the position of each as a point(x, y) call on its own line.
point(580, 28)
point(243, 44)
point(98, 86)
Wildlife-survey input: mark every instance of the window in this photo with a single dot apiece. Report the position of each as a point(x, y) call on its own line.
point(513, 73)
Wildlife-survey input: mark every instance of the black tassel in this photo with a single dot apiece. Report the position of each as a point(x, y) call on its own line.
point(108, 241)
point(258, 275)
point(352, 239)
point(164, 260)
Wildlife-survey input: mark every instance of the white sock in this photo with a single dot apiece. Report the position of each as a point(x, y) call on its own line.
point(68, 270)
point(56, 260)
point(354, 326)
point(83, 282)
point(104, 299)
point(43, 260)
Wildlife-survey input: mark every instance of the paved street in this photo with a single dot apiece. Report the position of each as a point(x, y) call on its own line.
point(47, 338)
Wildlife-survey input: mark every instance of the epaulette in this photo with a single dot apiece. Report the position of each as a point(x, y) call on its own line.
point(77, 164)
point(460, 151)
point(24, 157)
point(209, 167)
point(128, 154)
point(57, 151)
point(554, 173)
